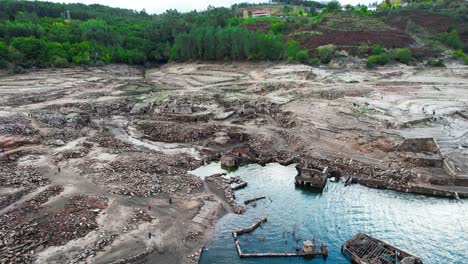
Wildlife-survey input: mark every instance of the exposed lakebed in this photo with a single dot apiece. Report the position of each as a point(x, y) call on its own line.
point(434, 229)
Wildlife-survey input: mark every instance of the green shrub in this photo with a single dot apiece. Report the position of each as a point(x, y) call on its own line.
point(302, 56)
point(326, 53)
point(235, 21)
point(3, 64)
point(304, 21)
point(377, 49)
point(363, 49)
point(59, 62)
point(314, 61)
point(458, 54)
point(292, 49)
point(370, 64)
point(3, 51)
point(402, 55)
point(313, 24)
point(465, 60)
point(374, 60)
point(451, 39)
point(18, 69)
point(436, 63)
point(333, 6)
point(280, 27)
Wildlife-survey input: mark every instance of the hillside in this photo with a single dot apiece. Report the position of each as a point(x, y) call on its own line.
point(43, 34)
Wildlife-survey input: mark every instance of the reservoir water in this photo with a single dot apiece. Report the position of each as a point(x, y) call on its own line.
point(434, 229)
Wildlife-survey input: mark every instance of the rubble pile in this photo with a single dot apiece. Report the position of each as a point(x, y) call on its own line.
point(15, 176)
point(97, 246)
point(74, 153)
point(285, 119)
point(66, 134)
point(138, 216)
point(51, 119)
point(146, 174)
point(33, 98)
point(193, 235)
point(393, 175)
point(82, 107)
point(184, 183)
point(176, 132)
point(107, 141)
point(225, 185)
point(114, 107)
point(19, 228)
point(9, 198)
point(402, 176)
point(16, 125)
point(29, 229)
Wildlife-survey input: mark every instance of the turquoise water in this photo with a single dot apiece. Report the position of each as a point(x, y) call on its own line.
point(434, 229)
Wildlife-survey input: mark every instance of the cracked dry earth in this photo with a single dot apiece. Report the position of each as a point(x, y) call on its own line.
point(90, 157)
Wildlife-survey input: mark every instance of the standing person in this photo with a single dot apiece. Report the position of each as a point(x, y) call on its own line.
point(170, 200)
point(149, 235)
point(58, 169)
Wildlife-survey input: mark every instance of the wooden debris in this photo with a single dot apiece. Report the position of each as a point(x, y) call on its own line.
point(254, 199)
point(250, 229)
point(362, 248)
point(238, 232)
point(239, 186)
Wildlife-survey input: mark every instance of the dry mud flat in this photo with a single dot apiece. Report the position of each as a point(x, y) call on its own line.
point(90, 157)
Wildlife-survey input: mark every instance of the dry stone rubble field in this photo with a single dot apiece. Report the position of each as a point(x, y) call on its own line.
point(93, 155)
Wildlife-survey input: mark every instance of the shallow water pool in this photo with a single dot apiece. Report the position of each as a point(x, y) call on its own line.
point(433, 229)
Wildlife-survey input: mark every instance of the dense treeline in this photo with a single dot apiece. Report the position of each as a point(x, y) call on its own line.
point(38, 33)
point(10, 8)
point(228, 43)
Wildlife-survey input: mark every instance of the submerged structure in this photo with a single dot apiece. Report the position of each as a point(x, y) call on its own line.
point(310, 249)
point(312, 177)
point(363, 249)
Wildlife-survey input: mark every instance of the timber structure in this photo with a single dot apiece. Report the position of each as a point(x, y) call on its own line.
point(310, 249)
point(363, 249)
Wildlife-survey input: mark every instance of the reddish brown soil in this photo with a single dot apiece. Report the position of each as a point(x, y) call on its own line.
point(431, 22)
point(263, 26)
point(387, 38)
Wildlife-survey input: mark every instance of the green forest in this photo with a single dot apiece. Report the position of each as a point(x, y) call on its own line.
point(39, 33)
point(44, 34)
